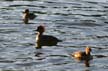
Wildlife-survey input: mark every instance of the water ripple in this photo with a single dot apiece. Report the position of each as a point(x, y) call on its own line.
point(79, 23)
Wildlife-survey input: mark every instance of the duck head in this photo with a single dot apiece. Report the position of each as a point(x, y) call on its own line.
point(40, 29)
point(26, 11)
point(88, 50)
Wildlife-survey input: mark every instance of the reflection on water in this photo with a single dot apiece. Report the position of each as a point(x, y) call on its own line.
point(78, 23)
point(87, 63)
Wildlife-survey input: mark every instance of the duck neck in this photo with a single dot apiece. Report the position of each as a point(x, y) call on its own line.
point(40, 33)
point(87, 53)
point(37, 36)
point(26, 17)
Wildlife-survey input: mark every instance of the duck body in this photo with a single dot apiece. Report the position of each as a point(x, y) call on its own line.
point(47, 40)
point(32, 16)
point(82, 56)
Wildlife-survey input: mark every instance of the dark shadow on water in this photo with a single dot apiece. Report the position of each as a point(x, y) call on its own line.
point(100, 48)
point(30, 23)
point(100, 56)
point(39, 54)
point(23, 0)
point(85, 61)
point(9, 0)
point(6, 61)
point(87, 64)
point(87, 70)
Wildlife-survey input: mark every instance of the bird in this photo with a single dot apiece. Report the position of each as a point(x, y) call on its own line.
point(79, 55)
point(45, 40)
point(28, 16)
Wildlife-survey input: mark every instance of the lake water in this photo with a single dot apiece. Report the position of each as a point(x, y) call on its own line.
point(79, 23)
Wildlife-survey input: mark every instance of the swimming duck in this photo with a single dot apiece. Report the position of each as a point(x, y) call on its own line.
point(45, 40)
point(28, 16)
point(83, 55)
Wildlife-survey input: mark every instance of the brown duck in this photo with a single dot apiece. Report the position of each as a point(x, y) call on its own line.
point(28, 16)
point(79, 55)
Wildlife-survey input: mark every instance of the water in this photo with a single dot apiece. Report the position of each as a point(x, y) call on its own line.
point(79, 23)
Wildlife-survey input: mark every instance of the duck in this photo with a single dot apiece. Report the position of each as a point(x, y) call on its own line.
point(45, 40)
point(79, 55)
point(28, 16)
